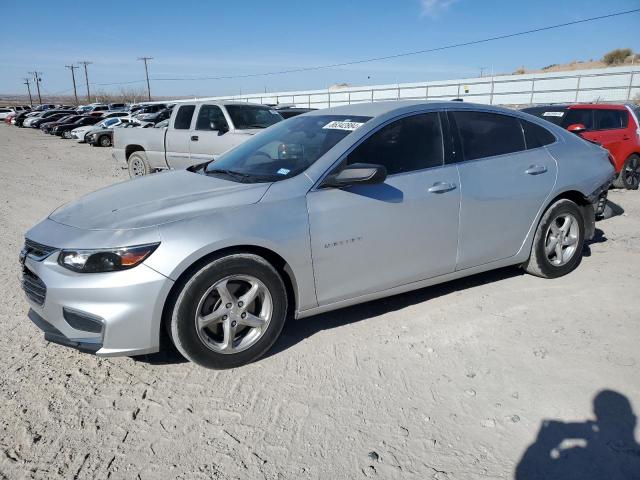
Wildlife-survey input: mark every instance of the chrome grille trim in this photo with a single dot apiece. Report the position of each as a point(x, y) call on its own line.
point(36, 250)
point(33, 287)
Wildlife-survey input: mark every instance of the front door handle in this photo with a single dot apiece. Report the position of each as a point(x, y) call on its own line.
point(535, 170)
point(441, 187)
point(194, 138)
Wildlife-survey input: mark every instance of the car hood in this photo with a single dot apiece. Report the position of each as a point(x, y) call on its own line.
point(156, 199)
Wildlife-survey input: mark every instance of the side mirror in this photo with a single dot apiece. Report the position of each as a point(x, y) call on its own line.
point(220, 127)
point(357, 173)
point(577, 128)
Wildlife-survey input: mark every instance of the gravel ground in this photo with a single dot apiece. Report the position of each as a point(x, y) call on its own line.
point(448, 382)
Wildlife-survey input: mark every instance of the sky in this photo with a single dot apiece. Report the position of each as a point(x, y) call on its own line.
point(191, 39)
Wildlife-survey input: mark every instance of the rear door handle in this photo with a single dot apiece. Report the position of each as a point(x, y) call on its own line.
point(441, 187)
point(194, 138)
point(535, 170)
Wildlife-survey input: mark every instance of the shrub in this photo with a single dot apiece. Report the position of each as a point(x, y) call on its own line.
point(617, 56)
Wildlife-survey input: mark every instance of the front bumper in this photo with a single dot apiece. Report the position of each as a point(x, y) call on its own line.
point(128, 305)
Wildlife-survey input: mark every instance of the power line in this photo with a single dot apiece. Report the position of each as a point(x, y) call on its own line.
point(406, 54)
point(146, 71)
point(86, 78)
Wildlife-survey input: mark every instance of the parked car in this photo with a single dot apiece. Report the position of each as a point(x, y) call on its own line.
point(46, 106)
point(64, 131)
point(288, 112)
point(615, 127)
point(155, 117)
point(22, 116)
point(5, 111)
point(114, 114)
point(117, 106)
point(198, 132)
point(47, 127)
point(38, 115)
point(9, 117)
point(48, 116)
point(328, 209)
point(147, 109)
point(106, 123)
point(100, 138)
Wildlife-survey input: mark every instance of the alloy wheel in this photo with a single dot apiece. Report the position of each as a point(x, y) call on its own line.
point(233, 314)
point(561, 239)
point(632, 172)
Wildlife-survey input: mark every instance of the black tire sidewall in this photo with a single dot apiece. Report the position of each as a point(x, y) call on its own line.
point(547, 268)
point(183, 328)
point(102, 143)
point(623, 178)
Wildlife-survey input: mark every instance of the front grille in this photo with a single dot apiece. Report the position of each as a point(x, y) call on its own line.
point(35, 288)
point(37, 250)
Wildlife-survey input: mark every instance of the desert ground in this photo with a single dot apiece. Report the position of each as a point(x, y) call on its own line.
point(493, 376)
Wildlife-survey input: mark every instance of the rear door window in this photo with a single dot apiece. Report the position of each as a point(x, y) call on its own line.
point(610, 119)
point(579, 115)
point(485, 134)
point(409, 144)
point(183, 117)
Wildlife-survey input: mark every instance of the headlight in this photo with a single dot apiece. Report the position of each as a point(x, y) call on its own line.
point(105, 260)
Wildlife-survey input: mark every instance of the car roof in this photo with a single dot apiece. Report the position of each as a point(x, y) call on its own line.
point(598, 106)
point(375, 109)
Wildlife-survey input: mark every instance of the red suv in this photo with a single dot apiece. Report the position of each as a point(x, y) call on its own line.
point(615, 127)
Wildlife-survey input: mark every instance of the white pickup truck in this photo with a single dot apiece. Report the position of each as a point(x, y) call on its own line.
point(197, 132)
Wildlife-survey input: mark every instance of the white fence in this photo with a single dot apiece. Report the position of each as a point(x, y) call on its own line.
point(616, 84)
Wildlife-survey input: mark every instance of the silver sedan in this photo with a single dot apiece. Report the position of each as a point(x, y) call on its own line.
point(325, 210)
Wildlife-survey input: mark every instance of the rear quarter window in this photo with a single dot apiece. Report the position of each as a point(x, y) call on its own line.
point(536, 136)
point(610, 119)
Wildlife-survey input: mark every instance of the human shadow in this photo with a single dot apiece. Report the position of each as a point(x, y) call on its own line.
point(602, 449)
point(296, 331)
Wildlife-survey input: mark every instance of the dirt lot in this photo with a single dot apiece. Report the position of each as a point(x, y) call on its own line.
point(449, 382)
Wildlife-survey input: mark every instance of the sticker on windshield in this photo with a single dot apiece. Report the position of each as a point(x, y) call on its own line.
point(553, 114)
point(349, 126)
point(273, 112)
point(283, 171)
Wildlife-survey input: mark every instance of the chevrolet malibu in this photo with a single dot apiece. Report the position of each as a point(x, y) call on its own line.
point(328, 209)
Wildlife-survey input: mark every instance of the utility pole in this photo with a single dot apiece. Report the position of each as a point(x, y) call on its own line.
point(86, 77)
point(146, 71)
point(26, 82)
point(73, 77)
point(37, 79)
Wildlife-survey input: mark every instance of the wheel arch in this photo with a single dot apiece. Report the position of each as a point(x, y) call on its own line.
point(129, 149)
point(585, 206)
point(276, 260)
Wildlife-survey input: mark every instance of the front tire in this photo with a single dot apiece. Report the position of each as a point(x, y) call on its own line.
point(558, 242)
point(230, 312)
point(104, 141)
point(138, 164)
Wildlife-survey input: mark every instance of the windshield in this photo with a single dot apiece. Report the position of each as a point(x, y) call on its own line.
point(252, 116)
point(284, 150)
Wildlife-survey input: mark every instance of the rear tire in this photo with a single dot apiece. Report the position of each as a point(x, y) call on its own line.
point(629, 176)
point(138, 164)
point(558, 241)
point(234, 334)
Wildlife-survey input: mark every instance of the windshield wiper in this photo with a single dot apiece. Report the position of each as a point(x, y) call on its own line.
point(256, 126)
point(230, 173)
